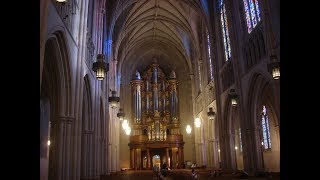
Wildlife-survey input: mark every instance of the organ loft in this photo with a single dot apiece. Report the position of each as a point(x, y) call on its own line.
point(156, 137)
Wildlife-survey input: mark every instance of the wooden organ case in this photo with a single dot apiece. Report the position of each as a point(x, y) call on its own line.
point(155, 120)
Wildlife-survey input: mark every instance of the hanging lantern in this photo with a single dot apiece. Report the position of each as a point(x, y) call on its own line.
point(234, 97)
point(211, 114)
point(188, 129)
point(114, 100)
point(274, 67)
point(120, 114)
point(100, 67)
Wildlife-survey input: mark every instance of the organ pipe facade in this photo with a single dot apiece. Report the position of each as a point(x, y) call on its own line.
point(155, 115)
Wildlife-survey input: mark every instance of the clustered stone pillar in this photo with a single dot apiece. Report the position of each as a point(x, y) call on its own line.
point(62, 147)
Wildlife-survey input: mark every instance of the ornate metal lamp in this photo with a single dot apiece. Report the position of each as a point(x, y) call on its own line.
point(274, 67)
point(100, 67)
point(114, 100)
point(211, 114)
point(234, 97)
point(120, 114)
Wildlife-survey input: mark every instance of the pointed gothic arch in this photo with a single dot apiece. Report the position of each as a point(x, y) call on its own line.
point(55, 99)
point(262, 93)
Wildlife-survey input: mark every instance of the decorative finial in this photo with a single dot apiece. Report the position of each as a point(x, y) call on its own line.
point(138, 75)
point(173, 75)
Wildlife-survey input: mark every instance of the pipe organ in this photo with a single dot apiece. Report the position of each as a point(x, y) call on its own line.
point(155, 123)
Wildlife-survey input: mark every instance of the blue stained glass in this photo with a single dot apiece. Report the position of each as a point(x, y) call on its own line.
point(246, 9)
point(252, 11)
point(225, 30)
point(265, 129)
point(227, 33)
point(268, 131)
point(209, 53)
point(257, 9)
point(265, 141)
point(199, 74)
point(224, 33)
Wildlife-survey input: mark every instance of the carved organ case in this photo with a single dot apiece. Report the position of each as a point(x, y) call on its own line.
point(155, 104)
point(155, 114)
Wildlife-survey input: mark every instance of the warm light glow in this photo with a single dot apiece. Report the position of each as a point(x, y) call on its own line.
point(49, 142)
point(234, 102)
point(128, 131)
point(61, 0)
point(197, 122)
point(235, 147)
point(188, 129)
point(113, 104)
point(100, 73)
point(218, 150)
point(262, 143)
point(125, 124)
point(276, 72)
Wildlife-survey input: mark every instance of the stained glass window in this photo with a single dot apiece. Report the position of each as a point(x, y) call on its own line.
point(265, 129)
point(209, 55)
point(225, 29)
point(199, 75)
point(252, 10)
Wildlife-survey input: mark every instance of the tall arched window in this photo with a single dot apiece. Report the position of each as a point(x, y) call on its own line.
point(199, 75)
point(225, 30)
point(265, 128)
point(251, 8)
point(209, 55)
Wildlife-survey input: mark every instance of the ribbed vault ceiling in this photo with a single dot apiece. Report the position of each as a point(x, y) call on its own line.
point(165, 29)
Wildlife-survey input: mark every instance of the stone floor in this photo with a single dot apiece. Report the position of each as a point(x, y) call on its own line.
point(176, 175)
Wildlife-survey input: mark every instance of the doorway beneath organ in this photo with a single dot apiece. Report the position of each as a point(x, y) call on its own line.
point(155, 120)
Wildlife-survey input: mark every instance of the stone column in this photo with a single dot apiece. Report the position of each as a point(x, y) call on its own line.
point(62, 146)
point(148, 159)
point(167, 154)
point(182, 155)
point(180, 158)
point(173, 158)
point(139, 158)
point(135, 159)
